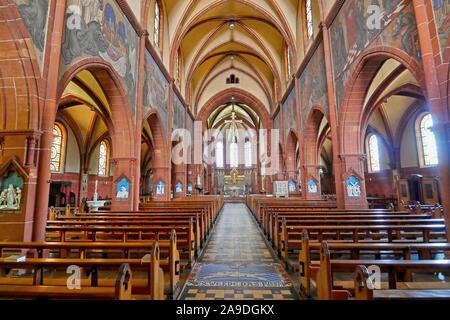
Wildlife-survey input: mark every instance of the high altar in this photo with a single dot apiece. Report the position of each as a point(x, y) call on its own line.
point(234, 184)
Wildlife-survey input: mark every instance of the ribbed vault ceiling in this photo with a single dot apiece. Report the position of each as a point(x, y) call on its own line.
point(218, 38)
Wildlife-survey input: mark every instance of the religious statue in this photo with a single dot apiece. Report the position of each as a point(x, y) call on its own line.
point(123, 193)
point(18, 196)
point(10, 198)
point(353, 187)
point(3, 199)
point(234, 176)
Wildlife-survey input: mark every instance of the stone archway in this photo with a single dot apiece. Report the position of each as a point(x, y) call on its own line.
point(351, 134)
point(160, 163)
point(311, 155)
point(122, 135)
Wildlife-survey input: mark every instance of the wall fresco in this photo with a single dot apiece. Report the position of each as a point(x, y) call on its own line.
point(313, 85)
point(442, 18)
point(35, 16)
point(290, 114)
point(351, 36)
point(101, 29)
point(178, 113)
point(156, 90)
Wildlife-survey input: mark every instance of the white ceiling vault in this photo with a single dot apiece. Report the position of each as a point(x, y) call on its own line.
point(246, 38)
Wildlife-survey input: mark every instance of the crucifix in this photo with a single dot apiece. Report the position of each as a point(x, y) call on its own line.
point(234, 123)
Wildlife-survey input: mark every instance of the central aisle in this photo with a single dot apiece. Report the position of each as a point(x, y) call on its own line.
point(237, 264)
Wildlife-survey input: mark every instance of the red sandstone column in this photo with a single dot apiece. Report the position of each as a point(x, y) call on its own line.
point(139, 115)
point(431, 57)
point(340, 196)
point(48, 119)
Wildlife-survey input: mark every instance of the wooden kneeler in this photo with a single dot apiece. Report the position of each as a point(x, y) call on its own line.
point(325, 289)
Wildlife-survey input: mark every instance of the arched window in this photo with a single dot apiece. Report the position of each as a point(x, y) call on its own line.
point(426, 141)
point(103, 159)
point(288, 63)
point(234, 155)
point(374, 153)
point(248, 154)
point(178, 63)
point(157, 25)
point(57, 149)
point(309, 19)
point(219, 154)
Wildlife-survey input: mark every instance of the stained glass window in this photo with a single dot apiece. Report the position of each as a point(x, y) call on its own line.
point(103, 159)
point(427, 141)
point(248, 154)
point(288, 63)
point(219, 154)
point(178, 67)
point(157, 22)
point(309, 19)
point(234, 155)
point(56, 155)
point(374, 154)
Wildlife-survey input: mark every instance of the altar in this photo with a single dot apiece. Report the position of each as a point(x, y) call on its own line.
point(234, 185)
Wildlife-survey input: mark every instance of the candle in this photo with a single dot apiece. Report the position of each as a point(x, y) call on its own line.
point(96, 185)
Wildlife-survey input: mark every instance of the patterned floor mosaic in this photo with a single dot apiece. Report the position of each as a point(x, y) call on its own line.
point(236, 264)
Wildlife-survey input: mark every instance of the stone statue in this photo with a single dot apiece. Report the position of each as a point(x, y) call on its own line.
point(3, 199)
point(18, 197)
point(11, 196)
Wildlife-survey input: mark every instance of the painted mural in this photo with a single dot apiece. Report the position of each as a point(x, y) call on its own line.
point(353, 187)
point(178, 113)
point(313, 80)
point(100, 29)
point(122, 189)
point(350, 34)
point(290, 114)
point(312, 186)
point(35, 16)
point(190, 128)
point(156, 90)
point(442, 18)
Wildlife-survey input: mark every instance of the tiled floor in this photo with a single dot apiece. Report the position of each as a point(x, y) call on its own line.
point(236, 264)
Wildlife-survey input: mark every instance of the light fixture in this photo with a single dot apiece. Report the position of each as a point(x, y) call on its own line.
point(232, 24)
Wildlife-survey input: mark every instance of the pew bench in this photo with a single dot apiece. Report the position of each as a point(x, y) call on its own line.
point(122, 290)
point(307, 266)
point(365, 292)
point(326, 268)
point(186, 242)
point(169, 255)
point(152, 286)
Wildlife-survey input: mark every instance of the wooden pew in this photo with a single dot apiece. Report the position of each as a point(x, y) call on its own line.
point(154, 283)
point(201, 227)
point(268, 216)
point(271, 219)
point(291, 236)
point(325, 284)
point(137, 223)
point(169, 255)
point(272, 230)
point(185, 235)
point(364, 291)
point(403, 251)
point(294, 224)
point(121, 291)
